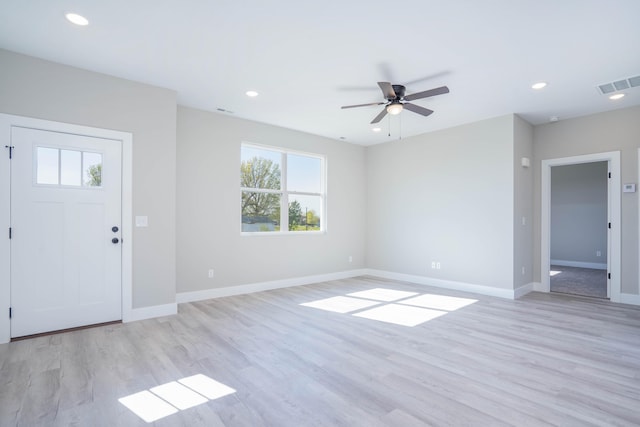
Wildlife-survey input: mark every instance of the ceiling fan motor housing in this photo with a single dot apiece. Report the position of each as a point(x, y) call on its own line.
point(399, 90)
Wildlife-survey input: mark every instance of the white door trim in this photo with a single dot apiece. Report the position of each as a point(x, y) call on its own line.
point(613, 157)
point(8, 121)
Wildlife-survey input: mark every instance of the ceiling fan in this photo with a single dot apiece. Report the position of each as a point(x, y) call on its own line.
point(396, 100)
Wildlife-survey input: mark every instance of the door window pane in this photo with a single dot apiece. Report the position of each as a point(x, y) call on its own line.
point(92, 165)
point(70, 168)
point(47, 166)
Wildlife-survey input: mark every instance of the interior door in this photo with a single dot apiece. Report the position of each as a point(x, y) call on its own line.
point(65, 231)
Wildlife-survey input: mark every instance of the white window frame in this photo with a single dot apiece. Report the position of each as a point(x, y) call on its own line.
point(285, 193)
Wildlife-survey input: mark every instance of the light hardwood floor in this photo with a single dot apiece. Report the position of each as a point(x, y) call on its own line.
point(541, 360)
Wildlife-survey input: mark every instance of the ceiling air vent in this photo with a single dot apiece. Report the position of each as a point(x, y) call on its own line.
point(623, 84)
point(607, 88)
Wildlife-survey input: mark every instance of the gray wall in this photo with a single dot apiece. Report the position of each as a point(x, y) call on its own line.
point(208, 220)
point(446, 196)
point(579, 212)
point(40, 89)
point(617, 130)
point(454, 196)
point(523, 203)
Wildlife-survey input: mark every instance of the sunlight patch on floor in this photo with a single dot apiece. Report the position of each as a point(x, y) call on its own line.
point(381, 294)
point(401, 314)
point(554, 272)
point(440, 302)
point(392, 306)
point(208, 387)
point(167, 399)
point(178, 395)
point(340, 304)
point(148, 406)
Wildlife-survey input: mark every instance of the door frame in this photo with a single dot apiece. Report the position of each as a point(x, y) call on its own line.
point(614, 235)
point(7, 121)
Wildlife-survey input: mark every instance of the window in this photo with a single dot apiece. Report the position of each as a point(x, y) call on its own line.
point(281, 187)
point(69, 168)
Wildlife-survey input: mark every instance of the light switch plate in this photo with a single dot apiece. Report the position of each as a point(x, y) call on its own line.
point(629, 188)
point(142, 221)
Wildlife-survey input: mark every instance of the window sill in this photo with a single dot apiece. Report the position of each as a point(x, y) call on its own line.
point(283, 233)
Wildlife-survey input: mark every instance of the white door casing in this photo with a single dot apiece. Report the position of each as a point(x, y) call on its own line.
point(18, 127)
point(614, 236)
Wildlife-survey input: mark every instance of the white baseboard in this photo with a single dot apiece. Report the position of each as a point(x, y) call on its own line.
point(579, 264)
point(537, 286)
point(623, 299)
point(228, 291)
point(630, 299)
point(143, 313)
point(523, 290)
point(447, 284)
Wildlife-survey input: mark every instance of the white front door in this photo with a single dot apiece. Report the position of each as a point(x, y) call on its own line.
point(66, 254)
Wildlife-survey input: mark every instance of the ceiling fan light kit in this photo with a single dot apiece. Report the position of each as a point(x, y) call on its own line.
point(396, 100)
point(394, 108)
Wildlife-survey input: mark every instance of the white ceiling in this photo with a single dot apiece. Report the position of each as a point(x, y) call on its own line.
point(306, 59)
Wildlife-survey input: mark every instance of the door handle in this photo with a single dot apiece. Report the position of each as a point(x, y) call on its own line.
point(114, 240)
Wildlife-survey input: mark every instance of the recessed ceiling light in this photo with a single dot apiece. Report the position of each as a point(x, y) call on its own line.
point(538, 85)
point(251, 93)
point(77, 19)
point(376, 129)
point(616, 96)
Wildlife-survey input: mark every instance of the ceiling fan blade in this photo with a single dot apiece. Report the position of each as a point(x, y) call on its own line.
point(427, 93)
point(385, 70)
point(362, 105)
point(425, 78)
point(380, 116)
point(387, 90)
point(417, 109)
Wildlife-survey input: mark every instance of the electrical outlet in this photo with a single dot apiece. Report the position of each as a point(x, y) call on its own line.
point(598, 253)
point(438, 265)
point(523, 271)
point(350, 259)
point(433, 264)
point(211, 273)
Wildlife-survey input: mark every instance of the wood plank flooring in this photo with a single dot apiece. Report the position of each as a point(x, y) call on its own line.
point(542, 360)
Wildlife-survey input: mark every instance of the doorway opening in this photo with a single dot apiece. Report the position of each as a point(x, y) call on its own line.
point(579, 238)
point(609, 253)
